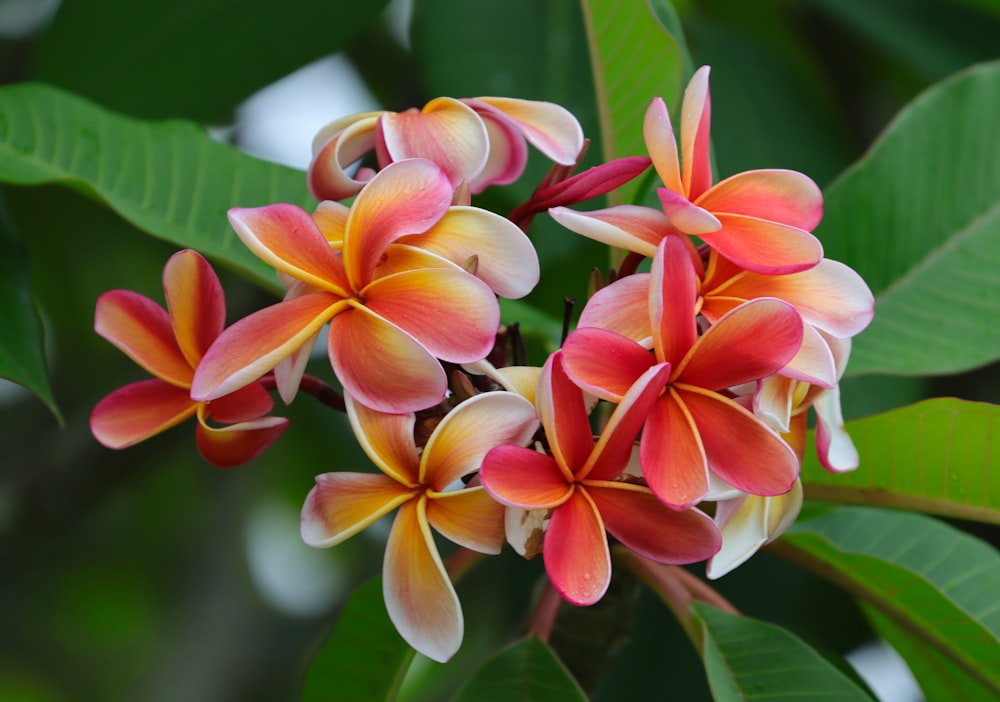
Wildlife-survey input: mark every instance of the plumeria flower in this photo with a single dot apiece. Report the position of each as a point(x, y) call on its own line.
point(577, 485)
point(695, 427)
point(170, 344)
point(388, 325)
point(479, 141)
point(419, 596)
point(760, 220)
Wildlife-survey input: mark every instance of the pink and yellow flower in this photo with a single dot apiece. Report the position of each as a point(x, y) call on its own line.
point(479, 141)
point(419, 596)
point(391, 317)
point(170, 344)
point(577, 485)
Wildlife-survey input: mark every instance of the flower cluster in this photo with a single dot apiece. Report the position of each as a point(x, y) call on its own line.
point(673, 417)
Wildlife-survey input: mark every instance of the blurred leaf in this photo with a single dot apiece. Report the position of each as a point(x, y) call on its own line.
point(634, 60)
point(189, 58)
point(22, 348)
point(365, 659)
point(167, 178)
point(747, 658)
point(527, 671)
point(938, 677)
point(919, 218)
point(940, 456)
point(936, 582)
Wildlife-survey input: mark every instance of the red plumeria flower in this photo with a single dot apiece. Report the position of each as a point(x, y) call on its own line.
point(419, 596)
point(577, 483)
point(480, 141)
point(170, 345)
point(695, 426)
point(760, 220)
point(388, 327)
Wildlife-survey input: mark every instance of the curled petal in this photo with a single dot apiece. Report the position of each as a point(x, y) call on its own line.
point(686, 216)
point(446, 131)
point(342, 504)
point(696, 118)
point(331, 218)
point(387, 439)
point(469, 517)
point(508, 153)
point(381, 365)
point(467, 433)
point(576, 552)
point(814, 362)
point(634, 516)
point(629, 227)
point(834, 447)
point(662, 145)
point(256, 344)
point(764, 247)
point(622, 308)
point(786, 197)
point(236, 444)
point(773, 402)
point(142, 330)
point(196, 303)
point(520, 477)
point(550, 128)
point(604, 363)
point(288, 373)
point(138, 411)
point(672, 455)
point(336, 147)
point(419, 597)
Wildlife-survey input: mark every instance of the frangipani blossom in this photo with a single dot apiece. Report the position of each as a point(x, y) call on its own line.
point(479, 141)
point(577, 484)
point(170, 344)
point(695, 426)
point(388, 328)
point(419, 596)
point(759, 219)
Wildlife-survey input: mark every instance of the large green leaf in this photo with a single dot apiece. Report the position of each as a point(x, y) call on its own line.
point(365, 659)
point(167, 178)
point(919, 218)
point(940, 456)
point(527, 671)
point(634, 60)
point(189, 58)
point(22, 349)
point(747, 658)
point(935, 582)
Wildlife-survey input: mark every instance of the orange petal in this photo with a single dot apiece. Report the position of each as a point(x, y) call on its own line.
point(138, 411)
point(336, 147)
point(381, 365)
point(388, 441)
point(786, 197)
point(242, 405)
point(331, 218)
point(196, 303)
point(671, 453)
point(342, 504)
point(696, 119)
point(237, 444)
point(459, 443)
point(604, 363)
point(686, 216)
point(563, 413)
point(576, 552)
point(764, 247)
point(622, 307)
point(550, 128)
point(673, 292)
point(142, 330)
point(469, 517)
point(419, 597)
point(256, 344)
point(661, 143)
point(520, 477)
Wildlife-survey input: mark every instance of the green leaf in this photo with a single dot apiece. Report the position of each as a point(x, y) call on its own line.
point(189, 58)
point(634, 60)
point(22, 348)
point(747, 658)
point(919, 218)
point(933, 581)
point(365, 659)
point(167, 178)
point(940, 456)
point(527, 671)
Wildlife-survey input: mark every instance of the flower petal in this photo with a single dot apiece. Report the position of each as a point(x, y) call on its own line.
point(336, 147)
point(520, 477)
point(242, 405)
point(834, 447)
point(256, 344)
point(419, 597)
point(236, 444)
point(773, 402)
point(288, 239)
point(404, 198)
point(686, 216)
point(593, 182)
point(631, 227)
point(468, 517)
point(507, 259)
point(288, 373)
point(450, 312)
point(508, 152)
point(671, 453)
point(381, 365)
point(696, 119)
point(673, 292)
point(776, 195)
point(661, 143)
point(563, 412)
point(622, 307)
point(196, 303)
point(576, 552)
point(604, 363)
point(637, 518)
point(764, 247)
point(388, 441)
point(137, 411)
point(142, 330)
point(331, 218)
point(814, 362)
point(551, 128)
point(743, 450)
point(466, 434)
point(342, 504)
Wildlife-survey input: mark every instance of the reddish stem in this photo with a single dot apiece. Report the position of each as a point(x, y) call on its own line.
point(319, 389)
point(546, 611)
